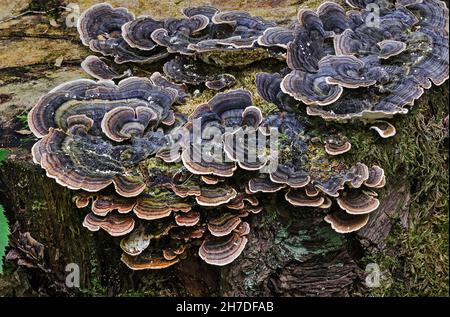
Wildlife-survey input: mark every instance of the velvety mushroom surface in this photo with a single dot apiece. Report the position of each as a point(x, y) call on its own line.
point(173, 185)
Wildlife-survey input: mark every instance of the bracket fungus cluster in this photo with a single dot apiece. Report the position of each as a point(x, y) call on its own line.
point(203, 31)
point(367, 63)
point(172, 186)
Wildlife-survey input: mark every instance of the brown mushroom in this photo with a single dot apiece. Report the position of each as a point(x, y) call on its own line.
point(222, 250)
point(115, 224)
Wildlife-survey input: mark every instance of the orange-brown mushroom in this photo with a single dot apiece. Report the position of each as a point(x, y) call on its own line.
point(115, 224)
point(298, 197)
point(356, 202)
point(342, 222)
point(188, 219)
point(222, 250)
point(147, 260)
point(376, 178)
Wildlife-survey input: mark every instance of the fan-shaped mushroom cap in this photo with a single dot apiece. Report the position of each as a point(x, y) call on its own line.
point(376, 177)
point(276, 36)
point(231, 106)
point(341, 222)
point(161, 81)
point(123, 53)
point(384, 128)
point(326, 204)
point(355, 176)
point(371, 107)
point(210, 180)
point(98, 171)
point(101, 19)
point(100, 28)
point(128, 186)
point(268, 87)
point(310, 88)
point(225, 31)
point(243, 228)
point(187, 233)
point(325, 86)
point(264, 185)
point(82, 200)
point(103, 205)
point(311, 190)
point(115, 224)
point(389, 48)
point(159, 203)
point(333, 17)
point(99, 69)
point(247, 24)
point(222, 224)
point(337, 148)
point(345, 70)
point(299, 198)
point(218, 168)
point(356, 202)
point(188, 219)
point(172, 253)
point(147, 260)
point(205, 155)
point(137, 33)
point(331, 186)
point(246, 148)
point(238, 202)
point(95, 99)
point(215, 195)
point(308, 46)
point(392, 62)
point(188, 188)
point(122, 123)
point(285, 174)
point(175, 34)
point(432, 13)
point(348, 42)
point(222, 250)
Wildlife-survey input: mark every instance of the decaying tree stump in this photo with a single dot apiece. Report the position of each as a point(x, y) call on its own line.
point(291, 251)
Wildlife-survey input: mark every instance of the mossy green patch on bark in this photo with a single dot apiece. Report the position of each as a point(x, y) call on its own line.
point(416, 259)
point(296, 244)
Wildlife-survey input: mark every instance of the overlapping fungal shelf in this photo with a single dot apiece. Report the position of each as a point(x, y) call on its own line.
point(112, 138)
point(352, 65)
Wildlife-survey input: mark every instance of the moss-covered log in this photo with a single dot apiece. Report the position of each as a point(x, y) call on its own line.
point(291, 251)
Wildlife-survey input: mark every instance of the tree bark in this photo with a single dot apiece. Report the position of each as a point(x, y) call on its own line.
point(291, 251)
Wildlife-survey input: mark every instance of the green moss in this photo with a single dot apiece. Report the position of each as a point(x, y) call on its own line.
point(96, 288)
point(416, 260)
point(268, 217)
point(234, 58)
point(39, 206)
point(245, 79)
point(160, 165)
point(303, 243)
